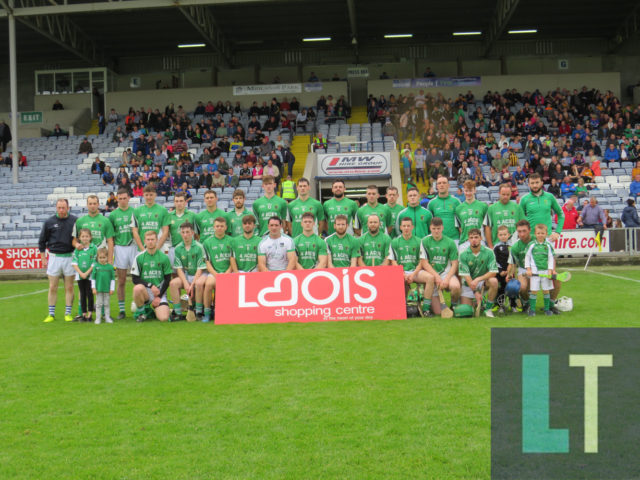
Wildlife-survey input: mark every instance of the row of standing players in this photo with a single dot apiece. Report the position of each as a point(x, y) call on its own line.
point(245, 240)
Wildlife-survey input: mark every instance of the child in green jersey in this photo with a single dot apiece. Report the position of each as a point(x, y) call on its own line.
point(540, 260)
point(83, 265)
point(103, 283)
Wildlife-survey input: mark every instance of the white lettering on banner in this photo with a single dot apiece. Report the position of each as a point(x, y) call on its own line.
point(365, 285)
point(267, 89)
point(304, 290)
point(354, 164)
point(334, 293)
point(25, 258)
point(277, 288)
point(318, 295)
point(580, 241)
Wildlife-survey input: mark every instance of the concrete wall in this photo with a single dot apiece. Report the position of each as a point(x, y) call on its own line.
point(70, 101)
point(76, 122)
point(189, 97)
point(601, 81)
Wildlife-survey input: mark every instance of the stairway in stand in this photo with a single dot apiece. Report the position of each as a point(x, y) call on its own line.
point(300, 149)
point(358, 115)
point(94, 128)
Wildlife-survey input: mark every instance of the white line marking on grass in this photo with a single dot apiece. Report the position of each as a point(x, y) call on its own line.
point(619, 277)
point(24, 294)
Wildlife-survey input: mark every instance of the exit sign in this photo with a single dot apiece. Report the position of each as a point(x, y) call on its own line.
point(30, 117)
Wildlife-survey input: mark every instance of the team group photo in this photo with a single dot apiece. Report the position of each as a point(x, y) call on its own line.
point(279, 240)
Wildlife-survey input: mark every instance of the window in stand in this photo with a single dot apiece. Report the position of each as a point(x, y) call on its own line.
point(45, 83)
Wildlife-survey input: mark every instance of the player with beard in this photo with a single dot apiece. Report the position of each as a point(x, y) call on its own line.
point(339, 205)
point(478, 269)
point(342, 248)
point(538, 206)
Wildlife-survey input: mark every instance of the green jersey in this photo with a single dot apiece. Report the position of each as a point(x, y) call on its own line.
point(152, 268)
point(121, 223)
point(421, 218)
point(264, 208)
point(517, 253)
point(297, 208)
point(342, 250)
point(405, 252)
point(103, 277)
point(500, 214)
point(383, 212)
point(218, 252)
point(234, 222)
point(538, 208)
point(476, 265)
point(174, 221)
point(445, 208)
point(190, 259)
point(204, 223)
point(470, 215)
point(539, 256)
point(245, 251)
point(100, 226)
point(333, 208)
point(84, 258)
point(309, 249)
point(439, 253)
point(374, 249)
point(147, 219)
point(395, 210)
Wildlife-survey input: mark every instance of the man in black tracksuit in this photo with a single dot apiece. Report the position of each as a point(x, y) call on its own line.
point(57, 237)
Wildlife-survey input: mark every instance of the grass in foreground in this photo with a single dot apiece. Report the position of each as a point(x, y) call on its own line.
point(400, 399)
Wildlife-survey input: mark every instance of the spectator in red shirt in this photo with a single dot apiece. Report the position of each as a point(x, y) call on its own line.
point(571, 215)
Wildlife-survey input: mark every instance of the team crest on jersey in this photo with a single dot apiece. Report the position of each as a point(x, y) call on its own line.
point(512, 213)
point(152, 264)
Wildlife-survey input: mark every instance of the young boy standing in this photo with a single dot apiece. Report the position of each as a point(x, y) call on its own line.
point(540, 260)
point(501, 251)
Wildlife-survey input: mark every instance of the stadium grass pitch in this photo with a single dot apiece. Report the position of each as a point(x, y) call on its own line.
point(356, 400)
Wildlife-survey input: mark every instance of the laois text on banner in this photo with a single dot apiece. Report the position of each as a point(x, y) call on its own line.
point(321, 295)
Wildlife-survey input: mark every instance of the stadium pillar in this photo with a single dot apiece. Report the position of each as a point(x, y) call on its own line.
point(256, 74)
point(214, 76)
point(459, 66)
point(13, 87)
point(503, 65)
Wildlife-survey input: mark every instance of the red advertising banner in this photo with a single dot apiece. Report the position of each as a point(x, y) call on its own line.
point(333, 294)
point(27, 258)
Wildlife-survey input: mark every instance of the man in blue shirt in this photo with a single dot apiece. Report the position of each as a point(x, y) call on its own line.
point(634, 188)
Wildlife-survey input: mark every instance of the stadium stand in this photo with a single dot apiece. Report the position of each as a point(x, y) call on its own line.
point(55, 168)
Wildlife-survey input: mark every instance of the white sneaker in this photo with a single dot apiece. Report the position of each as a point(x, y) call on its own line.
point(108, 320)
point(489, 313)
point(98, 321)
